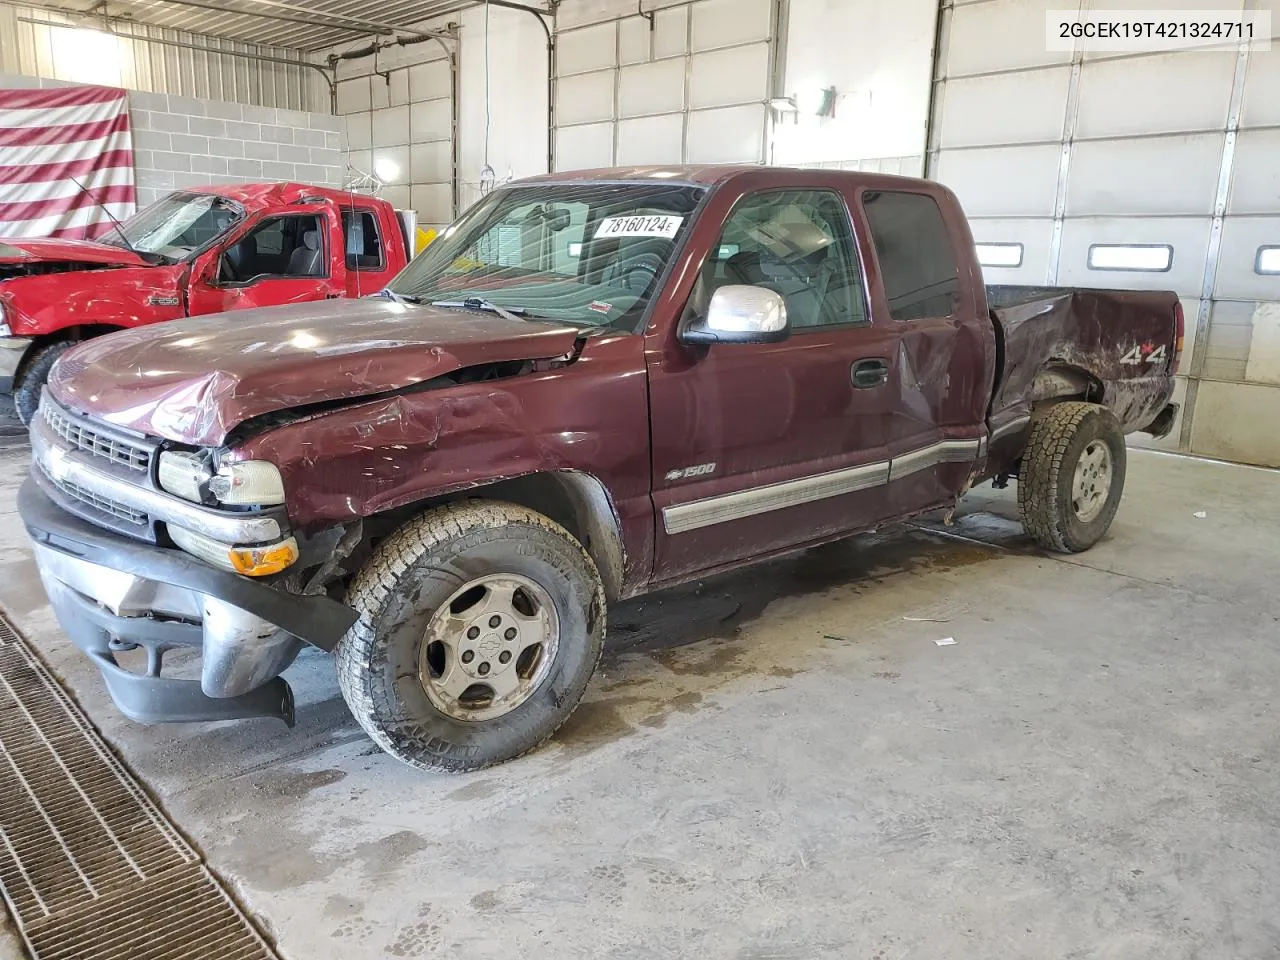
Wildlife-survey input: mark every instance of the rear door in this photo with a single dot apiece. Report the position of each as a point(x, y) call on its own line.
point(289, 254)
point(761, 447)
point(926, 288)
point(373, 249)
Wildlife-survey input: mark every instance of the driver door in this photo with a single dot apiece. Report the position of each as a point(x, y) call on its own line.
point(287, 254)
point(762, 447)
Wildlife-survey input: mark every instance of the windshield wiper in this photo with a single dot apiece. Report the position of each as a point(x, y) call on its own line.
point(389, 294)
point(476, 303)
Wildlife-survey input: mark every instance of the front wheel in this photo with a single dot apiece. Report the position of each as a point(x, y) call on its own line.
point(30, 382)
point(1072, 476)
point(480, 624)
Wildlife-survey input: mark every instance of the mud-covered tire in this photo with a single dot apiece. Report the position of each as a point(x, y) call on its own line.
point(32, 377)
point(1059, 438)
point(411, 574)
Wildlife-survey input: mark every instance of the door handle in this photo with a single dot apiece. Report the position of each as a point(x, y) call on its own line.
point(869, 373)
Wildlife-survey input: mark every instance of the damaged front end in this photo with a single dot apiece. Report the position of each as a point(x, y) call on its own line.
point(106, 531)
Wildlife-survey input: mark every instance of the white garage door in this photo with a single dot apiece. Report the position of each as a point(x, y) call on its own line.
point(404, 115)
point(689, 86)
point(1153, 171)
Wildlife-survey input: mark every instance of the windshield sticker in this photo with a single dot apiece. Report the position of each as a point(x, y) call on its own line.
point(660, 226)
point(599, 307)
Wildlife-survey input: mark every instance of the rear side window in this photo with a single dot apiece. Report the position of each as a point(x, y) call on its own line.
point(917, 263)
point(363, 242)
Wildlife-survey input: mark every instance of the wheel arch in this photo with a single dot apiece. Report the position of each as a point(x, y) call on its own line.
point(1062, 381)
point(75, 334)
point(576, 500)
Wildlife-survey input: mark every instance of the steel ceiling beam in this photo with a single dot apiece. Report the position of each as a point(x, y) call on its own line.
point(291, 13)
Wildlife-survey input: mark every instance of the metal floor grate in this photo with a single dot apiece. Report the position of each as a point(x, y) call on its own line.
point(90, 868)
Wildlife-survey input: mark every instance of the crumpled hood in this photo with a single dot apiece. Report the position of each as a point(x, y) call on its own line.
point(21, 250)
point(193, 381)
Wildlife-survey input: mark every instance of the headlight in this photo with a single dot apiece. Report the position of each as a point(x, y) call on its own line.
point(185, 474)
point(248, 483)
point(4, 322)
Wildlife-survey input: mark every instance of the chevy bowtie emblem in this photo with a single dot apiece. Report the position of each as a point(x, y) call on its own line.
point(56, 464)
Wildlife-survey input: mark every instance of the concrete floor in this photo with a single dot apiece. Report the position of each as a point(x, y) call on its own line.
point(782, 763)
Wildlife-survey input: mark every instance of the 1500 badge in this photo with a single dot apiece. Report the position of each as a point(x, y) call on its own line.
point(684, 473)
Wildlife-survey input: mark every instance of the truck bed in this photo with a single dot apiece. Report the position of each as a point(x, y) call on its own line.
point(1118, 346)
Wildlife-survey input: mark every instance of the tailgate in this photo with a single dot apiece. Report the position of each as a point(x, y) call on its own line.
point(1127, 340)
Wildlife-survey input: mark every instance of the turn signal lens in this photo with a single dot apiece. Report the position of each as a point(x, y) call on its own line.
point(264, 561)
point(259, 561)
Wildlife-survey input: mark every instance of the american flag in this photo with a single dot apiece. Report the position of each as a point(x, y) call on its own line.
point(48, 137)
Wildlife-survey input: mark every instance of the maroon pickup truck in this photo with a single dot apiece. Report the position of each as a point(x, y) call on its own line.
point(592, 385)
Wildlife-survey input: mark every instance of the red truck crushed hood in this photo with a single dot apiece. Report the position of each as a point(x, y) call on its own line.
point(194, 380)
point(54, 250)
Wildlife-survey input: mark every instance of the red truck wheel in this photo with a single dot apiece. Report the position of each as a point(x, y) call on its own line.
point(32, 378)
point(1072, 476)
point(480, 625)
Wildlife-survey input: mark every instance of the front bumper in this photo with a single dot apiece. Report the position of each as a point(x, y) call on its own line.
point(112, 594)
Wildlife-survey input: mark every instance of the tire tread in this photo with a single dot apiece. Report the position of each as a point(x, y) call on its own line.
point(378, 580)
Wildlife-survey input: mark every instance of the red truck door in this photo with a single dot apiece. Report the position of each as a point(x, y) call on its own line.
point(761, 447)
point(286, 254)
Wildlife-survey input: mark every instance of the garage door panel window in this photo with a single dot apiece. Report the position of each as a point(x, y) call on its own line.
point(917, 262)
point(1267, 262)
point(1145, 257)
point(999, 254)
point(291, 246)
point(797, 243)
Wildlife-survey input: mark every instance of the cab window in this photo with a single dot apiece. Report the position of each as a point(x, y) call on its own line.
point(917, 262)
point(363, 240)
point(797, 243)
point(291, 246)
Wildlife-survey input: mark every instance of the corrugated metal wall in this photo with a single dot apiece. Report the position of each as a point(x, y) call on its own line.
point(64, 53)
point(1056, 153)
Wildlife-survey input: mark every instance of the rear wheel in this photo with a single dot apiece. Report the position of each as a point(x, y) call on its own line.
point(480, 626)
point(1072, 476)
point(30, 382)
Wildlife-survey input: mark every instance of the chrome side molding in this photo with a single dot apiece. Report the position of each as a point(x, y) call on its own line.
point(683, 517)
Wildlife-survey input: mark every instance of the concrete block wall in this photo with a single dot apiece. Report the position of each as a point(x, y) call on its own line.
point(182, 142)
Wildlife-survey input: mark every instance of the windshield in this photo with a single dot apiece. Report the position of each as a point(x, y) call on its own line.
point(583, 253)
point(178, 224)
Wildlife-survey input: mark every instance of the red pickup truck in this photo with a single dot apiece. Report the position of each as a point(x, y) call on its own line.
point(197, 251)
point(592, 385)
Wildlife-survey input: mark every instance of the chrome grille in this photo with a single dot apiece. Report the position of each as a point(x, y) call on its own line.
point(84, 436)
point(118, 510)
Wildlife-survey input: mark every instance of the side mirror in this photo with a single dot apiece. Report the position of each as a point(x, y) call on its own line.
point(740, 314)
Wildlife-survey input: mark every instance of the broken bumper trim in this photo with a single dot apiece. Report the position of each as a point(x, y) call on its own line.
point(1162, 425)
point(112, 594)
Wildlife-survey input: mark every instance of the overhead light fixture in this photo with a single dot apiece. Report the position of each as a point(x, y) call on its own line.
point(386, 169)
